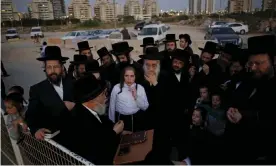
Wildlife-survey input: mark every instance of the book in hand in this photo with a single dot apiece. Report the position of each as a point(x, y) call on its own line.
point(51, 135)
point(134, 138)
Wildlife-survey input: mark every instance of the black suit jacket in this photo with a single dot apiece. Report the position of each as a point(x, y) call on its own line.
point(89, 138)
point(46, 109)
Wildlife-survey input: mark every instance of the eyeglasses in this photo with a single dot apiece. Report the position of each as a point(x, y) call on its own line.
point(251, 64)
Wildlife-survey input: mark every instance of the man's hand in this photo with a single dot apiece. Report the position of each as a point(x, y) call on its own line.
point(40, 134)
point(151, 78)
point(206, 69)
point(119, 127)
point(234, 115)
point(126, 132)
point(69, 105)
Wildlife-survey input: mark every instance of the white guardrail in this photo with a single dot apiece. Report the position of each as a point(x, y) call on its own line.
point(30, 151)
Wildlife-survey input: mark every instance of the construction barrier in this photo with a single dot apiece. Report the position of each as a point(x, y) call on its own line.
point(55, 42)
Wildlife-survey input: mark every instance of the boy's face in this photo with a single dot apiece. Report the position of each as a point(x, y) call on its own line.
point(216, 101)
point(203, 93)
point(196, 118)
point(11, 109)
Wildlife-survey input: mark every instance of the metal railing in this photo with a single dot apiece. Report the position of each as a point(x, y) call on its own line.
point(30, 151)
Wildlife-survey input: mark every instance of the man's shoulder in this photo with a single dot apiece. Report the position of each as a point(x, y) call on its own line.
point(39, 85)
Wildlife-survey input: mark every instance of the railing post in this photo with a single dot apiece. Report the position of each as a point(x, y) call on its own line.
point(17, 152)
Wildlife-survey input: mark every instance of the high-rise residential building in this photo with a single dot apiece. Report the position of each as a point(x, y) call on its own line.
point(210, 6)
point(80, 9)
point(58, 8)
point(133, 8)
point(151, 8)
point(104, 11)
point(7, 10)
point(41, 9)
point(195, 6)
point(269, 4)
point(236, 6)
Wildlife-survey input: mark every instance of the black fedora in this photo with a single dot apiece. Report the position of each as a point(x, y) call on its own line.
point(87, 88)
point(231, 49)
point(262, 44)
point(181, 55)
point(121, 48)
point(186, 37)
point(170, 38)
point(210, 47)
point(152, 53)
point(52, 53)
point(148, 41)
point(84, 45)
point(79, 59)
point(103, 52)
point(92, 67)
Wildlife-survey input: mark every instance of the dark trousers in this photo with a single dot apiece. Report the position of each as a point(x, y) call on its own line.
point(3, 69)
point(133, 122)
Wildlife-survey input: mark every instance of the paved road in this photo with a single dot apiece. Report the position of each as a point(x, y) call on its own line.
point(19, 57)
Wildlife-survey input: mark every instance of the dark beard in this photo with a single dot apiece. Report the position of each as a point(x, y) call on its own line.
point(56, 81)
point(124, 64)
point(177, 71)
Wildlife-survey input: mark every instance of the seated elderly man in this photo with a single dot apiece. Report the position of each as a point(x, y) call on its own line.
point(88, 133)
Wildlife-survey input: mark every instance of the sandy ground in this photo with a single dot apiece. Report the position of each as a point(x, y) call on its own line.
point(19, 57)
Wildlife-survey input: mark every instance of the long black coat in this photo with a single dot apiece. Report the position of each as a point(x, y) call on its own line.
point(254, 135)
point(46, 109)
point(88, 137)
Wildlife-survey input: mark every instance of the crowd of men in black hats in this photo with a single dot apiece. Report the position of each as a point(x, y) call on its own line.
point(213, 111)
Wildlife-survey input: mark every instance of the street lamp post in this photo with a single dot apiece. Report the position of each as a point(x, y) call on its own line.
point(115, 20)
point(20, 20)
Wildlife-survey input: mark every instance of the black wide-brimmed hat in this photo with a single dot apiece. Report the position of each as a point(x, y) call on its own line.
point(170, 38)
point(148, 41)
point(103, 52)
point(210, 47)
point(92, 67)
point(79, 59)
point(121, 48)
point(152, 53)
point(52, 53)
point(262, 44)
point(181, 55)
point(231, 49)
point(84, 45)
point(187, 37)
point(87, 88)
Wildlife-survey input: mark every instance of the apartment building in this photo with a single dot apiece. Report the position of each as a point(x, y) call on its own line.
point(151, 8)
point(269, 4)
point(80, 9)
point(58, 8)
point(41, 9)
point(210, 6)
point(133, 8)
point(104, 10)
point(195, 6)
point(237, 6)
point(7, 10)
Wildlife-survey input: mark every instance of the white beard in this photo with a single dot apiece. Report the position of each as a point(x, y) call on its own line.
point(157, 71)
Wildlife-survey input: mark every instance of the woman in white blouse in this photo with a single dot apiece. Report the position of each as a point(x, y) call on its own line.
point(128, 102)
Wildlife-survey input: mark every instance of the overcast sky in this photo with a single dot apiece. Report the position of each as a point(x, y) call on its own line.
point(164, 5)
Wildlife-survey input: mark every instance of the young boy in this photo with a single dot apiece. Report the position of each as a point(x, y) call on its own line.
point(204, 96)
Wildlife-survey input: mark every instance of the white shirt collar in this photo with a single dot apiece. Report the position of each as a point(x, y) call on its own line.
point(94, 113)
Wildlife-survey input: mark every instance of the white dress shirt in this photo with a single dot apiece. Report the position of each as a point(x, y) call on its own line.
point(94, 113)
point(124, 103)
point(178, 76)
point(59, 89)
